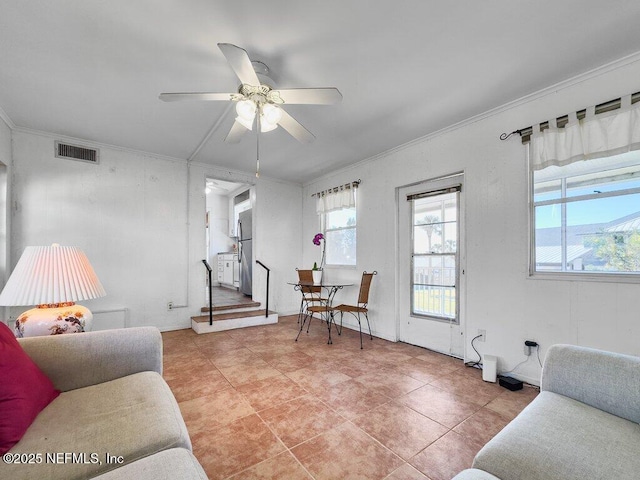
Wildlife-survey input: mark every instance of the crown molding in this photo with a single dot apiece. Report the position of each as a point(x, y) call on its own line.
point(576, 80)
point(7, 119)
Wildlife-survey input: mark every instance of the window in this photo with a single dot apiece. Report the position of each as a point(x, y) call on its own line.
point(337, 210)
point(585, 186)
point(586, 216)
point(434, 265)
point(340, 236)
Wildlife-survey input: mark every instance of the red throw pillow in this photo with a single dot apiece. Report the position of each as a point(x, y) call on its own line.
point(24, 390)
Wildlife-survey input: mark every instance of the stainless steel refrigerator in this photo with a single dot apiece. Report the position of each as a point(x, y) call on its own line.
point(245, 255)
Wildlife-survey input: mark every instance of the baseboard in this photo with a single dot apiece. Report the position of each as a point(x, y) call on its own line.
point(171, 328)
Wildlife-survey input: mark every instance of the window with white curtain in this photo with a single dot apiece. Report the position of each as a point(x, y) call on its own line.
point(337, 210)
point(585, 195)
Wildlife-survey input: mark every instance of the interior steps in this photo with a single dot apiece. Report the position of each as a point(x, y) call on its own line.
point(237, 307)
point(229, 317)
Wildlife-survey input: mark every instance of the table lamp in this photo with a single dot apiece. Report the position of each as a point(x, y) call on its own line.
point(53, 278)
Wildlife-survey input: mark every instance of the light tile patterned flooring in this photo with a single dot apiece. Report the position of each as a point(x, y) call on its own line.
point(260, 406)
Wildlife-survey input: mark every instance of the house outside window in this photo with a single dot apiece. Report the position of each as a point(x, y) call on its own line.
point(587, 216)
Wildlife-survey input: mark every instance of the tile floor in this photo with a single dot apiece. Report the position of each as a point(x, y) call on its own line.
point(260, 406)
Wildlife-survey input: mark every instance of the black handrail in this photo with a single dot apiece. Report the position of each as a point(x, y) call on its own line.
point(266, 314)
point(208, 267)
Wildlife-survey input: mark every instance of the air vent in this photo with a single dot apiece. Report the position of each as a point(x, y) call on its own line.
point(76, 152)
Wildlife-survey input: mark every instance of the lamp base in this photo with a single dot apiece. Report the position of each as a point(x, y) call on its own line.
point(38, 321)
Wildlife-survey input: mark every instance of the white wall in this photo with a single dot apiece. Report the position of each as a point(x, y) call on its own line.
point(500, 297)
point(5, 224)
point(128, 214)
point(277, 218)
point(141, 221)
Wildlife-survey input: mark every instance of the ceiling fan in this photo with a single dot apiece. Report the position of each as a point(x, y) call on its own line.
point(258, 102)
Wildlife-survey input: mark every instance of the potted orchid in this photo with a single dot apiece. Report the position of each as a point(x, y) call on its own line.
point(318, 240)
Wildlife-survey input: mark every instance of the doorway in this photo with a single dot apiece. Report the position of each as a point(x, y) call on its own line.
point(430, 264)
point(229, 235)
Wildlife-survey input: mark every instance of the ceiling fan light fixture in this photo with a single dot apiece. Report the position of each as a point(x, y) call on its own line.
point(271, 114)
point(246, 109)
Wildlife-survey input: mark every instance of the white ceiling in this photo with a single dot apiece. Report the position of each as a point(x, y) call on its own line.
point(93, 69)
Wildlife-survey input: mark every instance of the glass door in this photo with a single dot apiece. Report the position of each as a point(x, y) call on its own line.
point(429, 264)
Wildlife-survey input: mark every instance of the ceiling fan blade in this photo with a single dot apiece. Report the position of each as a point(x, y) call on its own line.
point(240, 63)
point(174, 97)
point(311, 96)
point(236, 133)
point(295, 129)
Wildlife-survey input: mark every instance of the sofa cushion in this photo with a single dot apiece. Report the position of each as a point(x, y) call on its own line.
point(585, 374)
point(24, 390)
point(130, 417)
point(556, 437)
point(173, 464)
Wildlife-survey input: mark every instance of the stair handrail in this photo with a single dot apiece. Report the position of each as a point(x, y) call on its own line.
point(209, 270)
point(266, 314)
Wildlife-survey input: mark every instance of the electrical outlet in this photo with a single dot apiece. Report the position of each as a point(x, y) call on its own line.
point(170, 306)
point(483, 338)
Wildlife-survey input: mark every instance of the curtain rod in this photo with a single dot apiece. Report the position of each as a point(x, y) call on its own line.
point(525, 133)
point(353, 184)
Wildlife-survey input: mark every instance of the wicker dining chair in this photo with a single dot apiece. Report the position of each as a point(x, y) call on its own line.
point(361, 308)
point(311, 294)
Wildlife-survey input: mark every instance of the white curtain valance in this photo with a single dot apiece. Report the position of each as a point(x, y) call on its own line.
point(595, 136)
point(336, 198)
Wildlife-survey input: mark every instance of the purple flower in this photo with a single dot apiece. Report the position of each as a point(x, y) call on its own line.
point(317, 238)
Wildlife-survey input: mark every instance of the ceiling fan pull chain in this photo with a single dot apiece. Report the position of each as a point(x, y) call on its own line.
point(258, 142)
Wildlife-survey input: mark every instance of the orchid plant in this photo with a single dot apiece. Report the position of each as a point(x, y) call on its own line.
point(317, 240)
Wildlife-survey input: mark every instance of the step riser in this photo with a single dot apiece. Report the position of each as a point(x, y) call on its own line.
point(233, 323)
point(231, 315)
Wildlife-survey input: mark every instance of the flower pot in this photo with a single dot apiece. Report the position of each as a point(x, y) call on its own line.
point(317, 276)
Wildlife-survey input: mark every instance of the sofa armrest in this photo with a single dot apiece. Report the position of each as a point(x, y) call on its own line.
point(82, 359)
point(605, 380)
point(474, 474)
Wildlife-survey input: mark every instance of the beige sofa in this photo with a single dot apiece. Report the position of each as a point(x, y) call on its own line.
point(116, 418)
point(584, 425)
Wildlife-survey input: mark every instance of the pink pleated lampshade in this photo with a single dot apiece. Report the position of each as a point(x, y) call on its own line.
point(48, 275)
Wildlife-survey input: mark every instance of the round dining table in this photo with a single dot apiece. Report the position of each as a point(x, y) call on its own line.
point(331, 287)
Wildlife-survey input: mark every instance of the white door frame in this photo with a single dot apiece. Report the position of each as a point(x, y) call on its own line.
point(456, 332)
